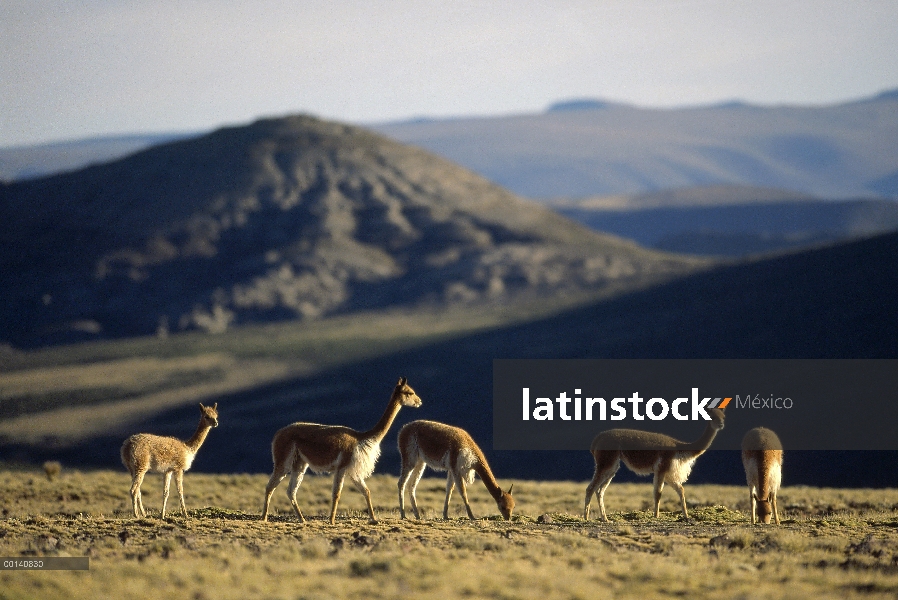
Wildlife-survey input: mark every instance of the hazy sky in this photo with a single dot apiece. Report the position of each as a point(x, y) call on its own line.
point(71, 69)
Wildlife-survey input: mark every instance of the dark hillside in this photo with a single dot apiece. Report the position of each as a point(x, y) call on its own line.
point(742, 229)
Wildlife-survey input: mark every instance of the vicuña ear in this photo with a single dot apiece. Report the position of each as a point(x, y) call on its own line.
point(511, 488)
point(755, 496)
point(215, 407)
point(402, 381)
point(202, 407)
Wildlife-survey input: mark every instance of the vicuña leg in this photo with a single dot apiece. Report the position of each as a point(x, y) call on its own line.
point(463, 490)
point(681, 491)
point(659, 487)
point(179, 481)
point(753, 504)
point(339, 476)
point(598, 487)
point(276, 478)
point(165, 489)
point(410, 473)
point(602, 489)
point(136, 500)
point(606, 468)
point(416, 478)
point(404, 475)
point(295, 481)
point(591, 489)
point(776, 514)
point(360, 486)
point(450, 485)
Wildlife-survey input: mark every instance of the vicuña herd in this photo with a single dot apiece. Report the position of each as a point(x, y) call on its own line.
point(346, 452)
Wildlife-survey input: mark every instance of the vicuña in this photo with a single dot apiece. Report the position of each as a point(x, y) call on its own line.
point(646, 453)
point(333, 449)
point(762, 457)
point(446, 448)
point(144, 452)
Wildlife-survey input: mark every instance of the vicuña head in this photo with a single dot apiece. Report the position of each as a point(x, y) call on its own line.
point(646, 453)
point(446, 448)
point(333, 449)
point(144, 452)
point(762, 457)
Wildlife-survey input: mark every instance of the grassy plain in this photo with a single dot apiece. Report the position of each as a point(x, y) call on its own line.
point(832, 543)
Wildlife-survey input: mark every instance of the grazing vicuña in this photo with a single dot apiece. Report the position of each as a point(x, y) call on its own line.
point(762, 457)
point(144, 452)
point(333, 449)
point(446, 448)
point(645, 453)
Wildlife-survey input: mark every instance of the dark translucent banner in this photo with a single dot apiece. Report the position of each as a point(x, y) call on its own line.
point(810, 404)
point(45, 563)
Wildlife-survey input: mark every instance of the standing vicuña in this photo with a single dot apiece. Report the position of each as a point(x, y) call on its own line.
point(446, 448)
point(144, 452)
point(644, 453)
point(333, 449)
point(762, 457)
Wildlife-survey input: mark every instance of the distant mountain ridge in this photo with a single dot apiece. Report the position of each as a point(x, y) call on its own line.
point(591, 147)
point(588, 147)
point(284, 218)
point(19, 163)
point(579, 104)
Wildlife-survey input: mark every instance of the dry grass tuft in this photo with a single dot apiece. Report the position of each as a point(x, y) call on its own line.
point(52, 469)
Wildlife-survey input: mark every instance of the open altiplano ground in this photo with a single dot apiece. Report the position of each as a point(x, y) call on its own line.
point(833, 543)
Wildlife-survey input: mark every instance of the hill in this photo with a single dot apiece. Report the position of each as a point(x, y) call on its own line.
point(586, 148)
point(281, 219)
point(833, 302)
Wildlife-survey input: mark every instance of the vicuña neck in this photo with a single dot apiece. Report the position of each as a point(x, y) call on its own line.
point(483, 469)
point(198, 437)
point(703, 443)
point(386, 420)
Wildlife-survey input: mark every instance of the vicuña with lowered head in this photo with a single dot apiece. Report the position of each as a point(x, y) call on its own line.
point(446, 448)
point(333, 449)
point(144, 452)
point(645, 453)
point(762, 457)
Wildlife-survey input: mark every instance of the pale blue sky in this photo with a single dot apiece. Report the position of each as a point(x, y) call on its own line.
point(96, 67)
